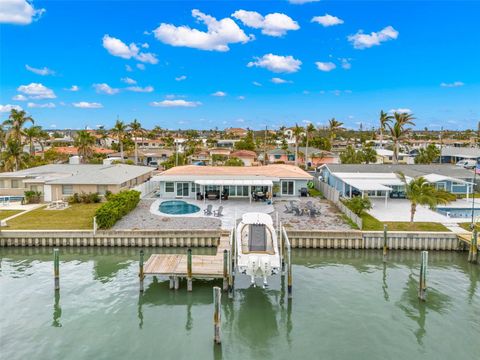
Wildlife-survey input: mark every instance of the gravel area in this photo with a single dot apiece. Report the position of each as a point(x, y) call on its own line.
point(330, 217)
point(142, 218)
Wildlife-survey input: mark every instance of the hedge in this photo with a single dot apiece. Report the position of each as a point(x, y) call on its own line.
point(117, 206)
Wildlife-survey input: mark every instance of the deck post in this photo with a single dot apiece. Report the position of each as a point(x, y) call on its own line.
point(170, 283)
point(217, 297)
point(225, 270)
point(289, 284)
point(140, 272)
point(189, 269)
point(385, 243)
point(231, 263)
point(56, 268)
point(282, 249)
point(472, 252)
point(94, 225)
point(176, 281)
point(422, 284)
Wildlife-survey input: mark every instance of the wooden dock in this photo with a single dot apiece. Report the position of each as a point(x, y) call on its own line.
point(203, 266)
point(466, 238)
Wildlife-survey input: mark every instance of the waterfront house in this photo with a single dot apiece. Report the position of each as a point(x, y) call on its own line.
point(315, 157)
point(248, 157)
point(190, 181)
point(451, 154)
point(58, 181)
point(385, 156)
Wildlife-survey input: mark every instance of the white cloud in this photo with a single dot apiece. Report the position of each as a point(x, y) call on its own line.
point(9, 107)
point(35, 105)
point(219, 34)
point(145, 89)
point(345, 63)
point(87, 105)
point(305, 92)
point(219, 94)
point(325, 66)
point(19, 97)
point(275, 24)
point(128, 68)
point(145, 45)
point(104, 88)
point(73, 88)
point(19, 12)
point(117, 47)
point(277, 80)
point(181, 78)
point(241, 97)
point(301, 2)
point(37, 91)
point(141, 66)
point(43, 71)
point(452, 85)
point(277, 63)
point(327, 20)
point(128, 80)
point(363, 41)
point(400, 110)
point(175, 103)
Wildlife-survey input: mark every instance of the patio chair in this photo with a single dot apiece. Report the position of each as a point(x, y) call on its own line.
point(218, 212)
point(297, 211)
point(288, 209)
point(314, 212)
point(309, 204)
point(208, 210)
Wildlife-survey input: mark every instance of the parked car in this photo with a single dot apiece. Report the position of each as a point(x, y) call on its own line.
point(153, 164)
point(467, 163)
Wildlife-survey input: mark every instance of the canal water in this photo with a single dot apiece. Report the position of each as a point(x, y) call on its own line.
point(347, 305)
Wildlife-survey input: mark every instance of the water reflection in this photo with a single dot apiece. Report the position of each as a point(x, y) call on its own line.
point(417, 310)
point(57, 310)
point(384, 283)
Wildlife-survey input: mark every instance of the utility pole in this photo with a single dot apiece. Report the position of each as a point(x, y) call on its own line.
point(441, 143)
point(265, 147)
point(306, 148)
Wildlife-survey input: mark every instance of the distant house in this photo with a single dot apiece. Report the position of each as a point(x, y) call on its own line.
point(146, 156)
point(227, 143)
point(248, 157)
point(454, 154)
point(73, 151)
point(239, 182)
point(315, 157)
point(219, 151)
point(236, 132)
point(385, 156)
point(58, 181)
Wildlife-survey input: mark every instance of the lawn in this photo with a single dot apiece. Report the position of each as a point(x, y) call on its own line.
point(7, 213)
point(314, 193)
point(76, 217)
point(371, 223)
point(467, 227)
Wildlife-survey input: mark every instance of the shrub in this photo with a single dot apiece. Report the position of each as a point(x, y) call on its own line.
point(32, 197)
point(117, 206)
point(358, 204)
point(84, 198)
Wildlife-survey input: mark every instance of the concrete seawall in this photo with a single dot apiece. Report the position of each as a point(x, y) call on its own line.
point(316, 239)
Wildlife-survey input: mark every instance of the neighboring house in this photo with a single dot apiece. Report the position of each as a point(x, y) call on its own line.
point(146, 156)
point(73, 151)
point(385, 156)
point(220, 151)
point(377, 180)
point(150, 143)
point(455, 154)
point(240, 182)
point(200, 156)
point(236, 132)
point(248, 157)
point(227, 143)
point(315, 157)
point(58, 181)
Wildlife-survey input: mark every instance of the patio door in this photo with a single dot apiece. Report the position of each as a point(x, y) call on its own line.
point(183, 189)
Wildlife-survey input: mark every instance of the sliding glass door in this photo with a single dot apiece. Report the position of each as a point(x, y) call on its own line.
point(183, 189)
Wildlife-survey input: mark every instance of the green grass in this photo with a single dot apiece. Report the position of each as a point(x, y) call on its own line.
point(314, 193)
point(7, 213)
point(467, 227)
point(76, 217)
point(349, 222)
point(462, 196)
point(371, 223)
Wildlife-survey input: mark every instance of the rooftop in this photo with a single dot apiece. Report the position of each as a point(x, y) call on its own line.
point(463, 152)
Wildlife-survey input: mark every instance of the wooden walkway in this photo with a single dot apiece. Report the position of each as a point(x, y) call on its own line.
point(467, 238)
point(203, 266)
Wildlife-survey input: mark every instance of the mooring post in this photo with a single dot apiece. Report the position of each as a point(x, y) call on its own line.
point(422, 284)
point(289, 270)
point(385, 243)
point(472, 251)
point(94, 225)
point(189, 269)
point(56, 268)
point(282, 249)
point(217, 301)
point(170, 282)
point(176, 281)
point(225, 270)
point(141, 275)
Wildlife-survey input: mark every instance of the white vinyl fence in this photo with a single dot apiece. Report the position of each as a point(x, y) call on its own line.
point(146, 188)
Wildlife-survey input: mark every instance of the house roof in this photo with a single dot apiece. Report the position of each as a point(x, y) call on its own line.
point(84, 174)
point(273, 172)
point(463, 152)
point(72, 150)
point(243, 153)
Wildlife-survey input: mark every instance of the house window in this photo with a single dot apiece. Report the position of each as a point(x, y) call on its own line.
point(169, 187)
point(288, 188)
point(67, 189)
point(15, 184)
point(441, 186)
point(102, 189)
point(291, 157)
point(277, 156)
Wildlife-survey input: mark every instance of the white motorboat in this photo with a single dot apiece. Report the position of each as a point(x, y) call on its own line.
point(258, 254)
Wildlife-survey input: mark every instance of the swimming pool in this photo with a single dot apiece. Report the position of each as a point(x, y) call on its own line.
point(458, 212)
point(177, 207)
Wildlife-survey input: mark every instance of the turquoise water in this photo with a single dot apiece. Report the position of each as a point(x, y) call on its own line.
point(178, 207)
point(347, 305)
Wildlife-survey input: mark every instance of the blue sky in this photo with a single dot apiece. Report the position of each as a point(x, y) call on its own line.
point(421, 56)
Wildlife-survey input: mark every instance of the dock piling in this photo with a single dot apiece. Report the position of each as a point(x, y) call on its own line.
point(422, 284)
point(473, 251)
point(385, 243)
point(189, 270)
point(56, 268)
point(141, 275)
point(217, 297)
point(176, 281)
point(225, 270)
point(289, 271)
point(170, 283)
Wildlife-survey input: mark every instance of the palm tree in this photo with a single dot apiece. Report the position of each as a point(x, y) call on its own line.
point(420, 192)
point(119, 130)
point(32, 134)
point(15, 123)
point(42, 138)
point(333, 127)
point(12, 156)
point(136, 130)
point(384, 121)
point(398, 131)
point(310, 129)
point(297, 133)
point(84, 141)
point(3, 137)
